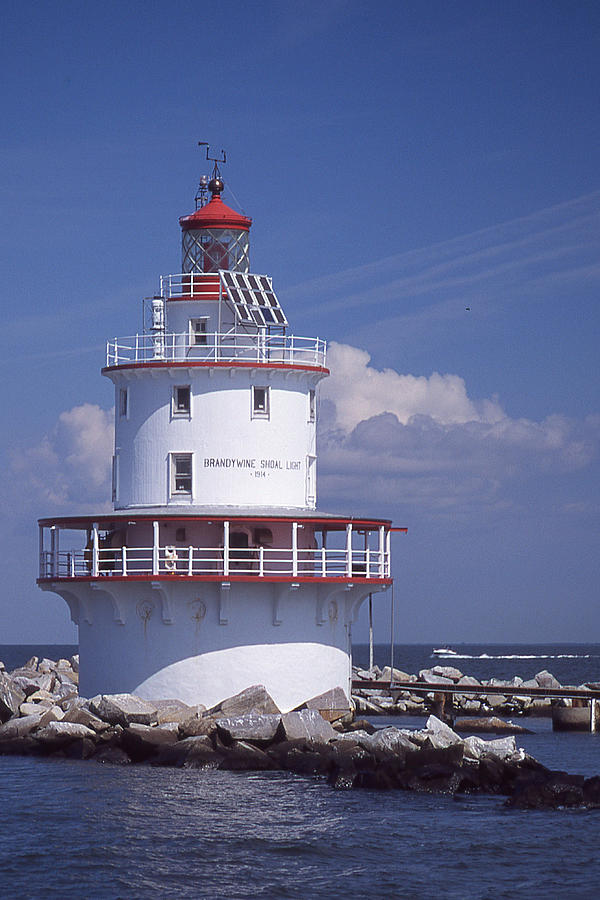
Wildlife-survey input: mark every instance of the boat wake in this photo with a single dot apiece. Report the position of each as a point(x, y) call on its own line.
point(453, 654)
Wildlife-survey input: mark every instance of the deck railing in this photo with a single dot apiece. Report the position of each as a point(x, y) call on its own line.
point(215, 562)
point(217, 347)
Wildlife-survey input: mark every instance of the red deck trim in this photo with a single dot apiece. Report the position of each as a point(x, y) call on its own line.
point(192, 364)
point(134, 516)
point(251, 579)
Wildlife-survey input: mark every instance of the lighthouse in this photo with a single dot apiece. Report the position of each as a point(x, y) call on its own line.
point(215, 570)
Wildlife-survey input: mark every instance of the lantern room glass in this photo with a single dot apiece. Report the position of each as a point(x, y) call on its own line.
point(211, 249)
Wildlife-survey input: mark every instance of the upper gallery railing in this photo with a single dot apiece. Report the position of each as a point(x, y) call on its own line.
point(218, 347)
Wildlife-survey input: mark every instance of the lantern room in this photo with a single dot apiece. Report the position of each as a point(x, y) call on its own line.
point(214, 236)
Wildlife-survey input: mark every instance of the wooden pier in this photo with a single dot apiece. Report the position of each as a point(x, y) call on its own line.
point(441, 692)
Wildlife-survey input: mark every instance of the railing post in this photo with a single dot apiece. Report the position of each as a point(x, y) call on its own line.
point(294, 549)
point(155, 548)
point(226, 549)
point(368, 562)
point(323, 562)
point(261, 562)
point(381, 551)
point(349, 549)
point(95, 566)
point(124, 560)
point(388, 553)
point(54, 549)
point(41, 546)
point(71, 565)
point(190, 560)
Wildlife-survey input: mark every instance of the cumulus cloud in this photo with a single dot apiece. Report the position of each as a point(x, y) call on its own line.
point(391, 438)
point(69, 469)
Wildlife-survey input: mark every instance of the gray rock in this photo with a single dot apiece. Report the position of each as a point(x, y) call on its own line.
point(41, 696)
point(122, 709)
point(75, 662)
point(495, 700)
point(31, 709)
point(469, 681)
point(62, 732)
point(333, 704)
point(19, 727)
point(364, 674)
point(439, 734)
point(429, 677)
point(175, 711)
point(307, 724)
point(448, 672)
point(366, 706)
point(502, 748)
point(530, 683)
point(82, 716)
point(197, 726)
point(254, 699)
point(546, 680)
point(392, 740)
point(258, 729)
point(11, 697)
point(46, 665)
point(396, 675)
point(244, 757)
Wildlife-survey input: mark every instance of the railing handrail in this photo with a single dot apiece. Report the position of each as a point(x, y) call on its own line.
point(217, 346)
point(282, 561)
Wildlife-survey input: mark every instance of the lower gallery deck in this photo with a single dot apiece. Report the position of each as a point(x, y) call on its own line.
point(200, 607)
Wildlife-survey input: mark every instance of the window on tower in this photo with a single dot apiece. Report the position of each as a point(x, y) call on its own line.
point(182, 400)
point(198, 332)
point(260, 402)
point(312, 406)
point(123, 403)
point(181, 474)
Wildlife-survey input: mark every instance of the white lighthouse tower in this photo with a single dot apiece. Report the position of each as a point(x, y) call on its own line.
point(215, 571)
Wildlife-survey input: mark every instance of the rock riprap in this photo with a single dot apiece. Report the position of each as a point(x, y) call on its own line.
point(42, 714)
point(374, 700)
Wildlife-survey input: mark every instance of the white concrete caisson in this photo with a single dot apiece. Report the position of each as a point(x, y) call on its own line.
point(215, 571)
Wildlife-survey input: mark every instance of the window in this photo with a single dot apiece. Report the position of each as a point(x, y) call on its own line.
point(123, 403)
point(115, 477)
point(182, 400)
point(181, 474)
point(311, 480)
point(198, 332)
point(312, 406)
point(260, 402)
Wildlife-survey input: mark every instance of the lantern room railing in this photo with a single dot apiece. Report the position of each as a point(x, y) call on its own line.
point(216, 347)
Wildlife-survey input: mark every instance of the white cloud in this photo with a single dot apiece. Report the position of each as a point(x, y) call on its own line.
point(360, 392)
point(399, 439)
point(70, 467)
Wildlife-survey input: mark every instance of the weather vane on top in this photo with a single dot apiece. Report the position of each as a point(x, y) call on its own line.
point(216, 183)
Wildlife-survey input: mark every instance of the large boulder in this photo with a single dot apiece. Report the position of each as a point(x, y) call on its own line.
point(430, 677)
point(254, 699)
point(333, 704)
point(122, 709)
point(11, 697)
point(19, 726)
point(242, 756)
point(175, 711)
point(56, 735)
point(141, 742)
point(448, 672)
point(502, 748)
point(82, 716)
point(307, 724)
point(546, 680)
point(256, 729)
point(439, 734)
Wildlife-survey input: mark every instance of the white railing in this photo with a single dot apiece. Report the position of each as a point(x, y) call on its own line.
point(213, 562)
point(217, 347)
point(186, 284)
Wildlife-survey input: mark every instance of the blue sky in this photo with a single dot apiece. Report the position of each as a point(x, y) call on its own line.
point(402, 162)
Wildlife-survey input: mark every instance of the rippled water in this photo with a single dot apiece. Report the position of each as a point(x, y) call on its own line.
point(139, 832)
point(86, 830)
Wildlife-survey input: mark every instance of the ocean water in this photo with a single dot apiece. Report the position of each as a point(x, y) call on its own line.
point(78, 828)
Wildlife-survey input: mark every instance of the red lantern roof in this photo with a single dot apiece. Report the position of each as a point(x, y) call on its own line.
point(215, 214)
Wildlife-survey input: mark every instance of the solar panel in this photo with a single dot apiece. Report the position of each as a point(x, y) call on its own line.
point(253, 298)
